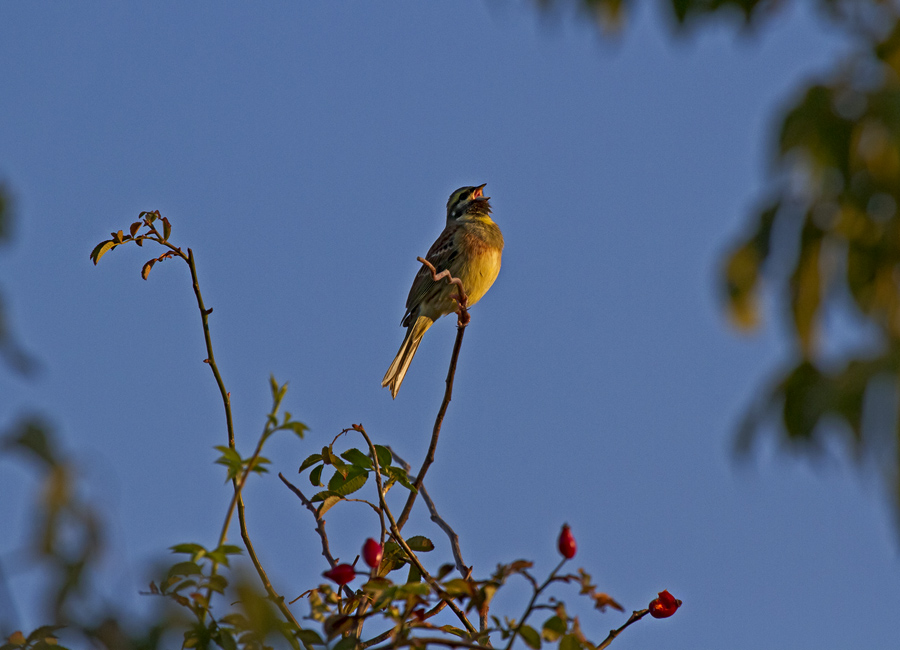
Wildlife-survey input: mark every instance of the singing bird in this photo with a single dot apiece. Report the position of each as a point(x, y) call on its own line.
point(470, 248)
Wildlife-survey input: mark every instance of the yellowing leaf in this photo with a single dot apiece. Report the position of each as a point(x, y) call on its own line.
point(101, 249)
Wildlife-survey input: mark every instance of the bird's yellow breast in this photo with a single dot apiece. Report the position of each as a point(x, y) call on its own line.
point(479, 271)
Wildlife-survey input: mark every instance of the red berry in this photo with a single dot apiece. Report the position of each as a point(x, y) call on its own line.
point(372, 553)
point(566, 543)
point(341, 574)
point(664, 606)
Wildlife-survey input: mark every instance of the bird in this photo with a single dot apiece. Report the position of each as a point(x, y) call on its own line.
point(470, 248)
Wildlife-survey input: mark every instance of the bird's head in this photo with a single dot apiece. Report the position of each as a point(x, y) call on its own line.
point(468, 201)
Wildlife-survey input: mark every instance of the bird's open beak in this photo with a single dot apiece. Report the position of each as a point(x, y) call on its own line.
point(478, 194)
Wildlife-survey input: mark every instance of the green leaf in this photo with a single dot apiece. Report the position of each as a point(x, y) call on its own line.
point(321, 496)
point(101, 249)
point(356, 457)
point(414, 574)
point(274, 387)
point(258, 465)
point(458, 587)
point(807, 287)
point(184, 569)
point(420, 544)
point(413, 589)
point(347, 643)
point(218, 583)
point(449, 629)
point(400, 475)
point(384, 456)
point(569, 642)
point(230, 459)
point(33, 436)
point(310, 461)
point(554, 628)
point(297, 427)
point(328, 503)
point(236, 619)
point(392, 559)
point(315, 476)
point(189, 549)
point(219, 556)
point(230, 549)
point(43, 632)
point(356, 478)
point(530, 637)
point(184, 584)
point(309, 637)
point(224, 640)
point(330, 458)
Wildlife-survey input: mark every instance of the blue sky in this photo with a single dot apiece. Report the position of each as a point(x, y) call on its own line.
point(305, 152)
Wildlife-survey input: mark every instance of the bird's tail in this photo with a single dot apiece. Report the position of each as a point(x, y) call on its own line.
point(414, 333)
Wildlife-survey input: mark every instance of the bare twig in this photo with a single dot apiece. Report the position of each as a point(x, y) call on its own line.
point(384, 636)
point(237, 485)
point(537, 592)
point(320, 523)
point(634, 618)
point(465, 571)
point(210, 357)
point(462, 321)
point(320, 526)
point(381, 501)
point(363, 606)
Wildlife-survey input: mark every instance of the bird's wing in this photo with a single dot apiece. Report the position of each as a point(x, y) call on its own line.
point(442, 254)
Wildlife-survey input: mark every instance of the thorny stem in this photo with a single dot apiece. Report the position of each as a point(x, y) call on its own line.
point(462, 321)
point(634, 618)
point(226, 401)
point(465, 571)
point(383, 507)
point(320, 525)
point(534, 597)
point(210, 357)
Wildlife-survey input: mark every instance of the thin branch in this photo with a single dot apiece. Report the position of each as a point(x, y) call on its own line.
point(239, 488)
point(413, 558)
point(274, 596)
point(384, 636)
point(634, 618)
point(378, 481)
point(210, 357)
point(537, 592)
point(462, 321)
point(423, 642)
point(320, 523)
point(237, 485)
point(465, 571)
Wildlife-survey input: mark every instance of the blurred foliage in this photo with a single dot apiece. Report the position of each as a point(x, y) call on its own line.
point(65, 547)
point(829, 237)
point(10, 351)
point(826, 237)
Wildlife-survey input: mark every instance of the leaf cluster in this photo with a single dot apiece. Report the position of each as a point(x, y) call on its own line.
point(350, 471)
point(829, 237)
